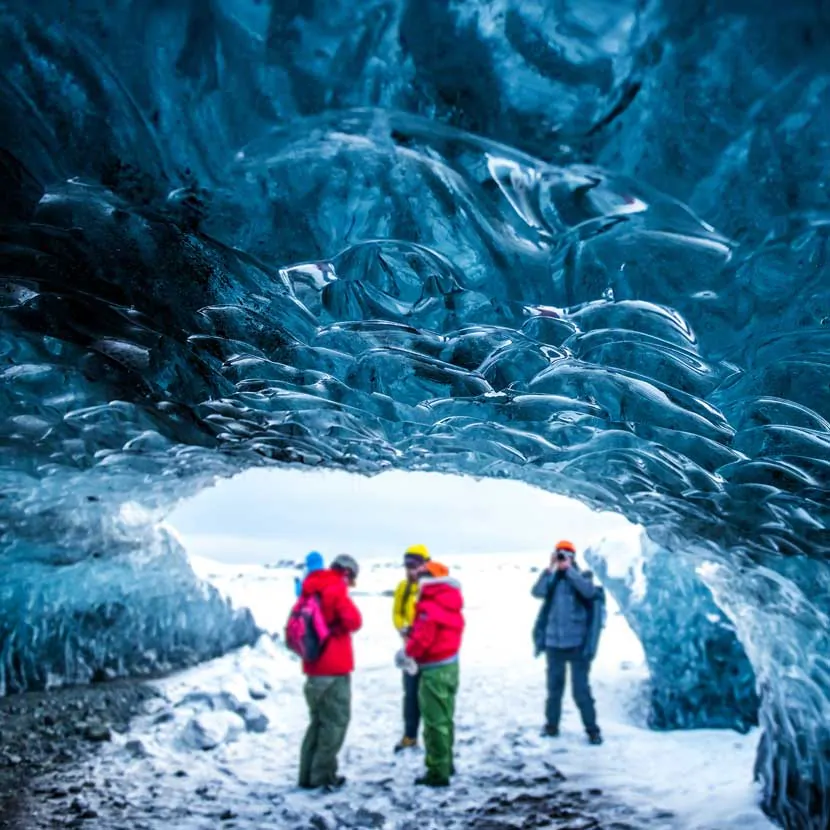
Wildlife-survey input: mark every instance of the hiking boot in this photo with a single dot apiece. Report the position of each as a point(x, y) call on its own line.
point(405, 743)
point(594, 738)
point(550, 731)
point(335, 785)
point(430, 780)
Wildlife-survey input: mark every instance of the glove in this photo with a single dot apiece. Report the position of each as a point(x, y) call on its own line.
point(405, 663)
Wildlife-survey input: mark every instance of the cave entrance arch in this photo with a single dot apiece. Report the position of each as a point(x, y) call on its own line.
point(494, 535)
point(701, 677)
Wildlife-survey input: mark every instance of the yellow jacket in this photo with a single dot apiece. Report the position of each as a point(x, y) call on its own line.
point(403, 608)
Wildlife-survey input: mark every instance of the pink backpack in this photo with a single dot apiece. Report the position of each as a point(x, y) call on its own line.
point(306, 632)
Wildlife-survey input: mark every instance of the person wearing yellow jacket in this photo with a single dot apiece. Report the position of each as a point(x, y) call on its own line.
point(403, 615)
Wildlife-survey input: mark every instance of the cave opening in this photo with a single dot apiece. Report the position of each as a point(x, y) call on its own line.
point(248, 536)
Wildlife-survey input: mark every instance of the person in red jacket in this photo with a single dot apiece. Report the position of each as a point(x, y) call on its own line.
point(433, 644)
point(328, 689)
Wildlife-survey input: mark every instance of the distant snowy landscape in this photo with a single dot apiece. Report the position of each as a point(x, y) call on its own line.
point(206, 755)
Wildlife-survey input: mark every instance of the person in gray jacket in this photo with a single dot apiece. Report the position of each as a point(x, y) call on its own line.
point(563, 632)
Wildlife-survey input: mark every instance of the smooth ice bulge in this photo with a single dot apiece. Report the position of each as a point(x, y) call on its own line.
point(579, 243)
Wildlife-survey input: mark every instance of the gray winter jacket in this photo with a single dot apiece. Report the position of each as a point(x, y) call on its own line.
point(565, 594)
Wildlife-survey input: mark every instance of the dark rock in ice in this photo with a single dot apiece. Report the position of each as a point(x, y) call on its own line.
point(136, 749)
point(257, 693)
point(81, 806)
point(97, 731)
point(56, 792)
point(255, 719)
point(366, 818)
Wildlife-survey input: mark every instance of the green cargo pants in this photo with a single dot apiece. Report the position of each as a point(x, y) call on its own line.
point(436, 695)
point(329, 705)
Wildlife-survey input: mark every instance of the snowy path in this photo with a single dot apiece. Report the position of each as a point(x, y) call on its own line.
point(507, 771)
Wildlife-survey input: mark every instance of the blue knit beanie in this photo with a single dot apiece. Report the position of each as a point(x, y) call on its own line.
point(313, 562)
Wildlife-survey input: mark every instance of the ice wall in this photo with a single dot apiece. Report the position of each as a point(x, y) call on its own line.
point(577, 242)
point(701, 676)
point(114, 598)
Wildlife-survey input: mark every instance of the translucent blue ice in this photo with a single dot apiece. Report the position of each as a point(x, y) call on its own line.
point(124, 603)
point(699, 674)
point(582, 243)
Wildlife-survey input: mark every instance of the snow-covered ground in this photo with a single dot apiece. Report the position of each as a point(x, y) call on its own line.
point(673, 780)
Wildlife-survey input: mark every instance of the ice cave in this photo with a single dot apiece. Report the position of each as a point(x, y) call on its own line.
point(580, 243)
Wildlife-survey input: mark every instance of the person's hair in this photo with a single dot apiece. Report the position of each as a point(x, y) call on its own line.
point(345, 564)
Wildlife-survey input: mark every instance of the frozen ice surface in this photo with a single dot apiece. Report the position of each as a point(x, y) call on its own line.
point(580, 243)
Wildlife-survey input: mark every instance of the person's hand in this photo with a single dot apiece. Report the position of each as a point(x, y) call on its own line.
point(405, 663)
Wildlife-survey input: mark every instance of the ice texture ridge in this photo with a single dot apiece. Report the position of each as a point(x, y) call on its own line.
point(582, 243)
point(136, 609)
point(700, 679)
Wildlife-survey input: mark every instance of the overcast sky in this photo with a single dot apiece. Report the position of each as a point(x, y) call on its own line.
point(269, 515)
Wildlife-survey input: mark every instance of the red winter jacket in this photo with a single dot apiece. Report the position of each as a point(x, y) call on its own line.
point(439, 623)
point(343, 619)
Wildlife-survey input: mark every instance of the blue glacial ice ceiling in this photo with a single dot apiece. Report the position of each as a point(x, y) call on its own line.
point(581, 243)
